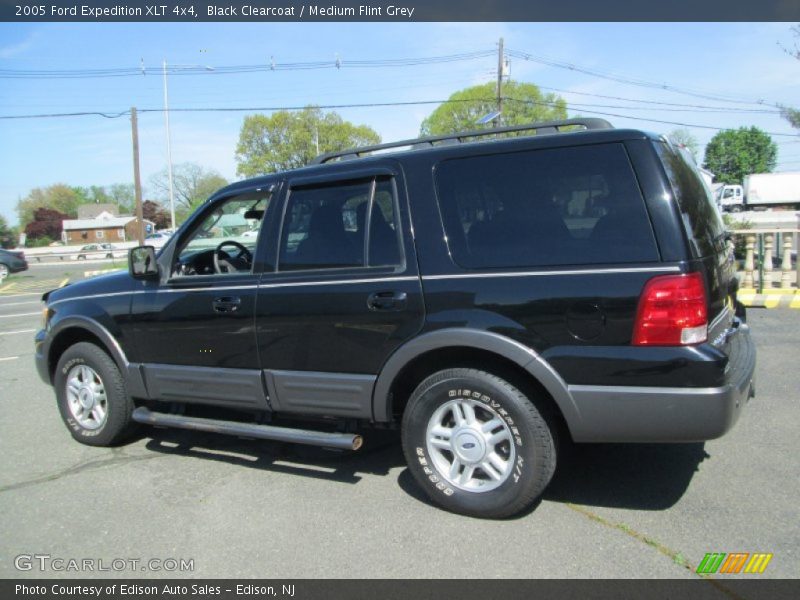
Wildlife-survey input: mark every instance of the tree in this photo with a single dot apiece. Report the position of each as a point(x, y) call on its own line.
point(122, 194)
point(287, 140)
point(153, 211)
point(523, 103)
point(59, 197)
point(732, 154)
point(683, 137)
point(7, 234)
point(792, 115)
point(787, 112)
point(46, 223)
point(193, 184)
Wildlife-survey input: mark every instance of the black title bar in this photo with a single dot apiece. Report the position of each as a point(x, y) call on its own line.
point(145, 11)
point(349, 589)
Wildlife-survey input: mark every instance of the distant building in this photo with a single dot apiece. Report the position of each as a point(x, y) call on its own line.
point(104, 228)
point(92, 211)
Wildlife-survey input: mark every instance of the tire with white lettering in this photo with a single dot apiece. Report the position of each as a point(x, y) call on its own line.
point(91, 395)
point(476, 444)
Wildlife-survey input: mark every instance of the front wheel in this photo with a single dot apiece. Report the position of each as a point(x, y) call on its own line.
point(92, 398)
point(3, 271)
point(476, 444)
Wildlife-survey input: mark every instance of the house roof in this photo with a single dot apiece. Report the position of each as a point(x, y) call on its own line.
point(103, 221)
point(91, 211)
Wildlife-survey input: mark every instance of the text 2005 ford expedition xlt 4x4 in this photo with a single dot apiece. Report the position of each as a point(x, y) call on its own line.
point(485, 297)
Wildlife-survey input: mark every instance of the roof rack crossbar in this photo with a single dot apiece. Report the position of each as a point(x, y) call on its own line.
point(429, 141)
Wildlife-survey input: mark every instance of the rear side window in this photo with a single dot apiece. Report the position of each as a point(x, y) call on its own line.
point(562, 206)
point(701, 218)
point(325, 227)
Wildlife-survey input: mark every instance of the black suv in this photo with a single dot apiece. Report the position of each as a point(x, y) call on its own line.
point(485, 296)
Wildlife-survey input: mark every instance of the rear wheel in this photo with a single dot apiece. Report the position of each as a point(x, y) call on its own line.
point(476, 444)
point(92, 398)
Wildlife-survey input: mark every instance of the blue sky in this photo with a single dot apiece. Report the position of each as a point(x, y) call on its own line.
point(735, 60)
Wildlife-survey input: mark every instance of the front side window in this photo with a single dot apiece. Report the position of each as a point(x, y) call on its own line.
point(562, 206)
point(224, 241)
point(326, 227)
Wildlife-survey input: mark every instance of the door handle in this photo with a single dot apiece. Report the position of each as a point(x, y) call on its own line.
point(387, 301)
point(226, 304)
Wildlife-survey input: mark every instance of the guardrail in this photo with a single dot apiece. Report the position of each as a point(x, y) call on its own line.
point(59, 253)
point(761, 249)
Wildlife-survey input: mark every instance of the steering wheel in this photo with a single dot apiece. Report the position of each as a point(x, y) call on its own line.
point(223, 263)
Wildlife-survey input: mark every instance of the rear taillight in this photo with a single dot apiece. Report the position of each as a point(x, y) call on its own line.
point(672, 312)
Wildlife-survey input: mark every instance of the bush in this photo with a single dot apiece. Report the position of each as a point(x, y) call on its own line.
point(38, 242)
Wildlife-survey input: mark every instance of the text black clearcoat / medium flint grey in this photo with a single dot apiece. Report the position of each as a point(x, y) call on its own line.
point(516, 269)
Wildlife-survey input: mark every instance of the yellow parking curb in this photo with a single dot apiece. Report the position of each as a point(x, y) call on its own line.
point(769, 298)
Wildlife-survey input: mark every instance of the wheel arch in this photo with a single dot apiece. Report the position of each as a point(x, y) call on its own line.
point(445, 348)
point(74, 329)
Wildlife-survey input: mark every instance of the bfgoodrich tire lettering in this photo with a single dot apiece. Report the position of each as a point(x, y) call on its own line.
point(476, 444)
point(86, 374)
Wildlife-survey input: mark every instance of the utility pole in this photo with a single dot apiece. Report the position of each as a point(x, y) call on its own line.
point(137, 180)
point(169, 150)
point(499, 83)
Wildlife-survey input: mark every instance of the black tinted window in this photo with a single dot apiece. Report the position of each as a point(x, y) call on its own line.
point(564, 206)
point(702, 220)
point(325, 226)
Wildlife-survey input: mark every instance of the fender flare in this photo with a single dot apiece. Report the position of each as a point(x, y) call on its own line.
point(131, 372)
point(96, 329)
point(495, 343)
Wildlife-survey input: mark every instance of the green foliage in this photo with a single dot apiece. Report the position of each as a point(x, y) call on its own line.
point(288, 140)
point(792, 115)
point(66, 199)
point(59, 197)
point(523, 103)
point(732, 154)
point(683, 137)
point(192, 185)
point(7, 234)
point(123, 195)
point(38, 242)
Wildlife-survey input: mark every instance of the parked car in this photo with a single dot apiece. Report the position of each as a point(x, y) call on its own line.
point(157, 239)
point(95, 251)
point(488, 299)
point(12, 261)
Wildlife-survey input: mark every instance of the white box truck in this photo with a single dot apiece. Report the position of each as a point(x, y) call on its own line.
point(761, 191)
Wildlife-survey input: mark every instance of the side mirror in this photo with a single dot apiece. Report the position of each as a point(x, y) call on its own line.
point(142, 262)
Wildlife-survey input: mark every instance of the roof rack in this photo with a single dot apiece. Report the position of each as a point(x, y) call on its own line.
point(544, 127)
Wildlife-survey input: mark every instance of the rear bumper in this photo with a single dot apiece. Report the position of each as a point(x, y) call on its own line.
point(667, 414)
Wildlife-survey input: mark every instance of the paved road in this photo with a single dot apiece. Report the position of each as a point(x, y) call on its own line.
point(255, 509)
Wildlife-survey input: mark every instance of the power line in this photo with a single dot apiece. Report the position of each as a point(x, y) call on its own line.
point(237, 109)
point(112, 115)
point(561, 64)
point(660, 103)
point(608, 114)
point(234, 69)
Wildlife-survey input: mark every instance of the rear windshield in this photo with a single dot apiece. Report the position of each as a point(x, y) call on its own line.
point(562, 206)
point(701, 218)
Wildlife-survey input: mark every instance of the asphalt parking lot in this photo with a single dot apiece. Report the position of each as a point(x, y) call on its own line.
point(240, 508)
